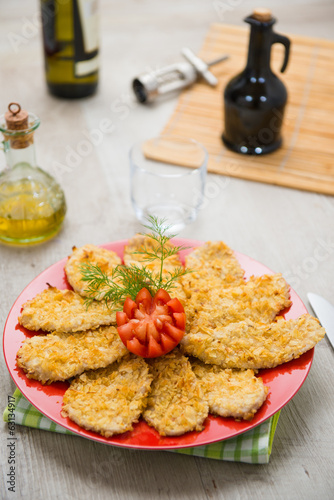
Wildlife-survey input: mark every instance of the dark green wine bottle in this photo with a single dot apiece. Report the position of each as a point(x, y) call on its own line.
point(70, 39)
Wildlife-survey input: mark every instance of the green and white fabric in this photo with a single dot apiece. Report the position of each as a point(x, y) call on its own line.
point(253, 446)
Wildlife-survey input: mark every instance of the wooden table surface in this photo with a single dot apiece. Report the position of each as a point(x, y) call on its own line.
point(288, 230)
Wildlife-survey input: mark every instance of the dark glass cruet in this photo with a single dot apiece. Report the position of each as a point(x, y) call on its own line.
point(255, 99)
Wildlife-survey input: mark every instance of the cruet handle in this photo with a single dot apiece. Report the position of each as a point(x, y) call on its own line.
point(286, 42)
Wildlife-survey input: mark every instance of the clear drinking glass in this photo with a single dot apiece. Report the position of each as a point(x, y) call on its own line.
point(168, 179)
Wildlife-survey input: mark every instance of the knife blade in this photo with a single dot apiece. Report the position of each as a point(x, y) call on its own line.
point(325, 313)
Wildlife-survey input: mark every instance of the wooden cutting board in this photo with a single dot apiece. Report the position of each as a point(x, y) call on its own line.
point(306, 159)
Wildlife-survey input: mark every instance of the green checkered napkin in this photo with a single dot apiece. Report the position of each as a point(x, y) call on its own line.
point(253, 446)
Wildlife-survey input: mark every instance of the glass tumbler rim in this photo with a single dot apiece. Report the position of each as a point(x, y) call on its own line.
point(190, 170)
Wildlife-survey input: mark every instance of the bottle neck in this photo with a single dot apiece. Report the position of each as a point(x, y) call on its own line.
point(19, 144)
point(21, 155)
point(258, 61)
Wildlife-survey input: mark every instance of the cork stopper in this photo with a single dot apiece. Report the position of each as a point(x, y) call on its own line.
point(17, 120)
point(261, 14)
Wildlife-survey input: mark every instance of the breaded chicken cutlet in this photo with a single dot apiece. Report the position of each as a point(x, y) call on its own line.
point(175, 403)
point(65, 311)
point(61, 356)
point(230, 393)
point(260, 299)
point(213, 265)
point(216, 258)
point(107, 260)
point(254, 345)
point(109, 400)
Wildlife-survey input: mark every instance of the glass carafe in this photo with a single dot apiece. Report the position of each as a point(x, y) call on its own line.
point(32, 204)
point(255, 99)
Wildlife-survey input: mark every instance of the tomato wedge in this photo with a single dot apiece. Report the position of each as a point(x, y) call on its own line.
point(151, 326)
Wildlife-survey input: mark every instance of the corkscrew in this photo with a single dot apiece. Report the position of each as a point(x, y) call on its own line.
point(148, 86)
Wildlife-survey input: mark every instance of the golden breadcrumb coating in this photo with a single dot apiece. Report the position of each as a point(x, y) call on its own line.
point(109, 400)
point(178, 292)
point(107, 260)
point(214, 265)
point(259, 299)
point(216, 258)
point(230, 393)
point(141, 243)
point(253, 345)
point(175, 403)
point(199, 281)
point(52, 357)
point(56, 310)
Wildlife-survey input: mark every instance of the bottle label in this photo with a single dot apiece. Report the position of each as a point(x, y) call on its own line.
point(84, 68)
point(89, 24)
point(86, 44)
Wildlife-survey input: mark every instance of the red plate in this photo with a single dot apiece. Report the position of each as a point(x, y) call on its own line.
point(283, 381)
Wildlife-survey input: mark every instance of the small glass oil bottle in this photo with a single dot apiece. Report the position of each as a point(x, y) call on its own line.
point(32, 204)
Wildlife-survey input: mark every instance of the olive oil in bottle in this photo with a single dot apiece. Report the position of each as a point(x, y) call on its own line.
point(255, 99)
point(32, 204)
point(70, 40)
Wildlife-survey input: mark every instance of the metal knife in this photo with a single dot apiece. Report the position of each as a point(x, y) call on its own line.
point(325, 312)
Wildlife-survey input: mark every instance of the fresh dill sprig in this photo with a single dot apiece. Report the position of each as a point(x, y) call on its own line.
point(124, 282)
point(127, 281)
point(159, 228)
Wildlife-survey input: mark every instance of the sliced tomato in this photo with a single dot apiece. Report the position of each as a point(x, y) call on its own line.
point(140, 331)
point(126, 332)
point(144, 300)
point(154, 349)
point(121, 318)
point(180, 320)
point(129, 307)
point(167, 342)
point(152, 331)
point(161, 297)
point(151, 327)
point(136, 347)
point(175, 305)
point(174, 332)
